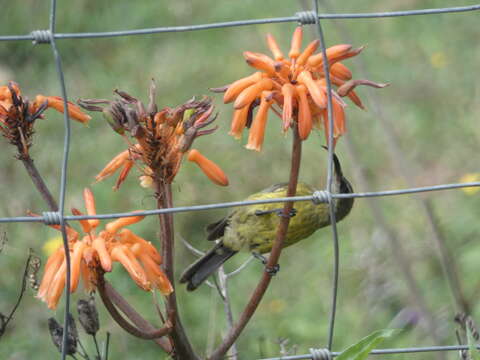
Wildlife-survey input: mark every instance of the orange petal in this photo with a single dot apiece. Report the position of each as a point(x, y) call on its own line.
point(304, 116)
point(75, 264)
point(90, 206)
point(84, 223)
point(155, 275)
point(257, 131)
point(273, 46)
point(239, 121)
point(124, 256)
point(288, 92)
point(99, 245)
point(87, 277)
point(340, 71)
point(333, 52)
point(57, 103)
point(209, 168)
point(124, 173)
point(260, 62)
point(349, 54)
point(238, 86)
point(116, 163)
point(128, 236)
point(316, 91)
point(356, 100)
point(309, 50)
point(296, 44)
point(51, 268)
point(252, 92)
point(338, 120)
point(114, 226)
point(56, 287)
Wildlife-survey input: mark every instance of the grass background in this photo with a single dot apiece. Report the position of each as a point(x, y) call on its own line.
point(432, 105)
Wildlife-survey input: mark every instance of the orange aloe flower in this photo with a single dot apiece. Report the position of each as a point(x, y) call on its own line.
point(162, 137)
point(296, 85)
point(18, 115)
point(94, 254)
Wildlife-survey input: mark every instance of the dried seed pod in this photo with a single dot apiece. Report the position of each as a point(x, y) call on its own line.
point(56, 332)
point(88, 315)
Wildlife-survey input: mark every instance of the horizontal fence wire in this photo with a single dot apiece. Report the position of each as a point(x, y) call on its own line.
point(321, 196)
point(411, 350)
point(304, 17)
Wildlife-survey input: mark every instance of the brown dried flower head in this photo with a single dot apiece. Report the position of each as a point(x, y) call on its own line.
point(162, 137)
point(18, 115)
point(294, 89)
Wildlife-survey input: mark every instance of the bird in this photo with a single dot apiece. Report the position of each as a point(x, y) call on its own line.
point(253, 228)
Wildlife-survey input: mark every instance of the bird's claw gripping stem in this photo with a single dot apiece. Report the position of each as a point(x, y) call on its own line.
point(271, 270)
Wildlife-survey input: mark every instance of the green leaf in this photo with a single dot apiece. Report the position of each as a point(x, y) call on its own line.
point(360, 350)
point(472, 349)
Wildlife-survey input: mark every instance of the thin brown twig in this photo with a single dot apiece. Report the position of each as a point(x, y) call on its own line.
point(182, 349)
point(19, 300)
point(39, 183)
point(262, 286)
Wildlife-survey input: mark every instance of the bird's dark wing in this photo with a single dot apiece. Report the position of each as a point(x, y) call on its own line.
point(217, 229)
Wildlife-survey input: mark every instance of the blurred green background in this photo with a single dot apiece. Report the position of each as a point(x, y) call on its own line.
point(432, 106)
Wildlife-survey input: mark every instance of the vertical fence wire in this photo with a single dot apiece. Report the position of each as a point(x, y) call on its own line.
point(325, 196)
point(63, 176)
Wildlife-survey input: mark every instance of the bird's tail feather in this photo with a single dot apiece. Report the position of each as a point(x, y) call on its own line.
point(201, 269)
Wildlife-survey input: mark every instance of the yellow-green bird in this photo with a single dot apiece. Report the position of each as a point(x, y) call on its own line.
point(253, 228)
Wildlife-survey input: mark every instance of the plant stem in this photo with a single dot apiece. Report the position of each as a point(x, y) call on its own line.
point(262, 286)
point(227, 308)
point(182, 349)
point(108, 296)
point(39, 183)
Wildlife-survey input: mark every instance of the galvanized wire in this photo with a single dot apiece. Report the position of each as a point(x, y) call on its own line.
point(298, 17)
point(63, 177)
point(321, 196)
point(317, 197)
point(411, 350)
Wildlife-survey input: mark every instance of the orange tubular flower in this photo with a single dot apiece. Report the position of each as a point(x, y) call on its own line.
point(296, 85)
point(18, 115)
point(94, 254)
point(164, 137)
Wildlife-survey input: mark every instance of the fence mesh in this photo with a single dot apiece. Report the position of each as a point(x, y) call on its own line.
point(49, 36)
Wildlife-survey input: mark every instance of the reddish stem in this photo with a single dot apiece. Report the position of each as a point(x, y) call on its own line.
point(262, 286)
point(182, 349)
point(141, 333)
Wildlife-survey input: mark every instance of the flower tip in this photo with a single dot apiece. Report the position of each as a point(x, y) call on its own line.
point(253, 147)
point(209, 168)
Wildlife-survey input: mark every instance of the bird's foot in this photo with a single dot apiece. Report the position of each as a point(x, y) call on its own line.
point(279, 212)
point(271, 270)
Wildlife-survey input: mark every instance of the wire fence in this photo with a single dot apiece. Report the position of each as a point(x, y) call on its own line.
point(49, 36)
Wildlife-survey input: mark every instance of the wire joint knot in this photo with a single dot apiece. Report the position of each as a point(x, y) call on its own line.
point(306, 17)
point(41, 36)
point(320, 354)
point(52, 218)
